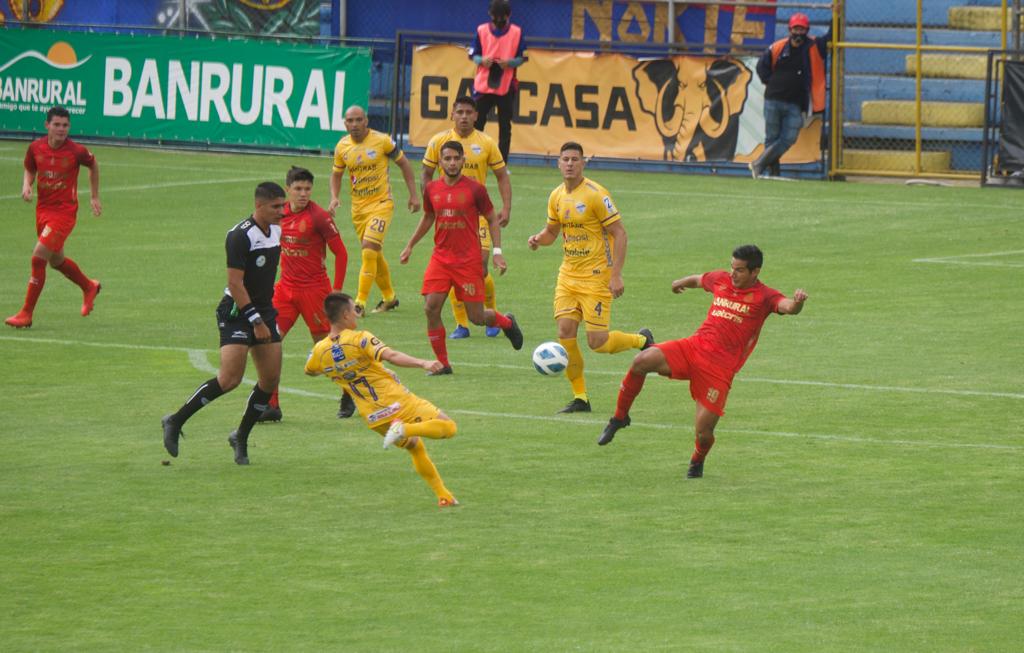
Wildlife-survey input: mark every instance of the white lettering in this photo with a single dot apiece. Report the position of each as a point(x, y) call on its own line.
point(186, 88)
point(149, 94)
point(32, 95)
point(117, 74)
point(338, 110)
point(314, 101)
point(277, 99)
point(242, 116)
point(214, 94)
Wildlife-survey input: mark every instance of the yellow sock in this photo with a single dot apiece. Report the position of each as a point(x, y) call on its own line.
point(384, 278)
point(490, 300)
point(458, 310)
point(621, 341)
point(574, 370)
point(438, 429)
point(425, 468)
point(367, 273)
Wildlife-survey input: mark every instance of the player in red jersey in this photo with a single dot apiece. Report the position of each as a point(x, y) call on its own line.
point(712, 356)
point(52, 162)
point(307, 232)
point(454, 204)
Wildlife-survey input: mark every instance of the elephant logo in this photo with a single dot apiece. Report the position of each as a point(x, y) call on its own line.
point(696, 104)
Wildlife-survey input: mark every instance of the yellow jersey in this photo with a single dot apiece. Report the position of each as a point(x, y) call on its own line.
point(367, 165)
point(352, 359)
point(482, 153)
point(583, 216)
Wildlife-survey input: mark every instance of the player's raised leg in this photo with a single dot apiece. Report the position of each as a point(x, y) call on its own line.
point(506, 322)
point(647, 361)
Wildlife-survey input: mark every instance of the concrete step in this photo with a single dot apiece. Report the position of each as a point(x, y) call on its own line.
point(933, 114)
point(904, 12)
point(980, 18)
point(890, 161)
point(930, 36)
point(859, 89)
point(949, 66)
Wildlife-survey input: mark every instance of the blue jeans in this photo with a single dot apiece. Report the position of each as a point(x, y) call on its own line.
point(782, 123)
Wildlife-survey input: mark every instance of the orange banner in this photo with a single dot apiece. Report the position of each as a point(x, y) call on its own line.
point(676, 109)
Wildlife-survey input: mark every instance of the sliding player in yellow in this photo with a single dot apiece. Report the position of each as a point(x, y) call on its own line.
point(365, 153)
point(354, 359)
point(481, 154)
point(593, 253)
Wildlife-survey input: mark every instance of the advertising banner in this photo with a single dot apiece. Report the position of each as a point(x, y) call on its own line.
point(683, 108)
point(230, 92)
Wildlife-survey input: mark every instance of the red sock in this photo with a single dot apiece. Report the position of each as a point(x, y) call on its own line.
point(35, 284)
point(501, 320)
point(437, 343)
point(274, 402)
point(71, 270)
point(699, 452)
point(631, 386)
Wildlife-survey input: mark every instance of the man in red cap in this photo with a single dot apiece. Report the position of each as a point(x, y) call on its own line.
point(793, 73)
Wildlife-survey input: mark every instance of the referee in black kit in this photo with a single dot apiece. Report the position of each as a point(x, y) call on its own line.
point(245, 317)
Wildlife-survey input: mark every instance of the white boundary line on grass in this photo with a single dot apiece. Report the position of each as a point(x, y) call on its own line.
point(200, 361)
point(169, 184)
point(958, 259)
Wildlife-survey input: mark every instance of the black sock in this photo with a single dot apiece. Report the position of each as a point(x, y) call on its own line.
point(203, 395)
point(259, 401)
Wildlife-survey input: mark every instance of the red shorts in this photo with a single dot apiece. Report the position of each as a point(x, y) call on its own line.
point(307, 301)
point(54, 228)
point(467, 279)
point(709, 389)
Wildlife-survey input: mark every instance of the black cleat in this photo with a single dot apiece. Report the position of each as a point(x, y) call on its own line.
point(241, 448)
point(648, 338)
point(577, 405)
point(171, 434)
point(696, 470)
point(271, 414)
point(384, 307)
point(447, 369)
point(609, 431)
point(514, 333)
point(346, 407)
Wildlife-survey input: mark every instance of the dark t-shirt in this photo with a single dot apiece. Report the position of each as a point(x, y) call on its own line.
point(787, 83)
point(250, 249)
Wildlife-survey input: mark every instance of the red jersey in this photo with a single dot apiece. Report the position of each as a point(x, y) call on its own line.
point(730, 331)
point(304, 238)
point(457, 210)
point(56, 173)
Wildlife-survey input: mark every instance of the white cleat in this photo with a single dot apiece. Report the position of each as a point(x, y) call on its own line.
point(395, 433)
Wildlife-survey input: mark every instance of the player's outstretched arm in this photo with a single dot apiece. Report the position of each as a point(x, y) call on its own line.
point(692, 281)
point(544, 237)
point(410, 183)
point(26, 185)
point(401, 359)
point(793, 305)
point(94, 187)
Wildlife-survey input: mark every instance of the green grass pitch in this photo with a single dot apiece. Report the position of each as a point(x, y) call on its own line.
point(865, 492)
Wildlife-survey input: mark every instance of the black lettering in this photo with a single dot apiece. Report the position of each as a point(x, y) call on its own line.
point(555, 105)
point(529, 88)
point(441, 103)
point(618, 97)
point(581, 105)
point(465, 87)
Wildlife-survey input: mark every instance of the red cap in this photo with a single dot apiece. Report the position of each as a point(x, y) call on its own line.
point(799, 20)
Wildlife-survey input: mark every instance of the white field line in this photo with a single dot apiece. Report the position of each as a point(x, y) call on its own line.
point(199, 358)
point(153, 166)
point(169, 184)
point(959, 259)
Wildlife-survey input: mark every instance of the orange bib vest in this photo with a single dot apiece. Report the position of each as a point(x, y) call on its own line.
point(496, 47)
point(817, 71)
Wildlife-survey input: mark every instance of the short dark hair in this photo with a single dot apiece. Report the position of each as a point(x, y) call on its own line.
point(500, 8)
point(57, 112)
point(269, 190)
point(453, 145)
point(335, 304)
point(571, 145)
point(295, 173)
point(749, 254)
point(465, 99)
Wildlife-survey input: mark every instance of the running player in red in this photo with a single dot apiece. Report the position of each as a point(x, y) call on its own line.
point(712, 356)
point(307, 232)
point(52, 162)
point(454, 204)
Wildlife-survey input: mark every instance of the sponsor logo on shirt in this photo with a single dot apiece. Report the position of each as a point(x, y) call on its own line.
point(261, 260)
point(384, 413)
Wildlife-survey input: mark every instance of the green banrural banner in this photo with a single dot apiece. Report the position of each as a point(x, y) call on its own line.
point(231, 92)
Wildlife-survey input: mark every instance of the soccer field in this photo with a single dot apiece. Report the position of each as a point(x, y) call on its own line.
point(864, 494)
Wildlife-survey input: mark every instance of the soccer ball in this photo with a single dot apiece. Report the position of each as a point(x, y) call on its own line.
point(550, 358)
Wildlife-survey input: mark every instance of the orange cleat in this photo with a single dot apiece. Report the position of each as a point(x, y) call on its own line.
point(448, 503)
point(90, 297)
point(21, 320)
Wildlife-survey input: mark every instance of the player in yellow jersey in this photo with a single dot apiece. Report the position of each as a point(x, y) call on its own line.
point(481, 154)
point(354, 359)
point(364, 153)
point(594, 251)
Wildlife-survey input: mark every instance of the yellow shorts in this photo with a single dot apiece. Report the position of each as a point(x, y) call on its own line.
point(485, 234)
point(372, 222)
point(411, 409)
point(588, 301)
